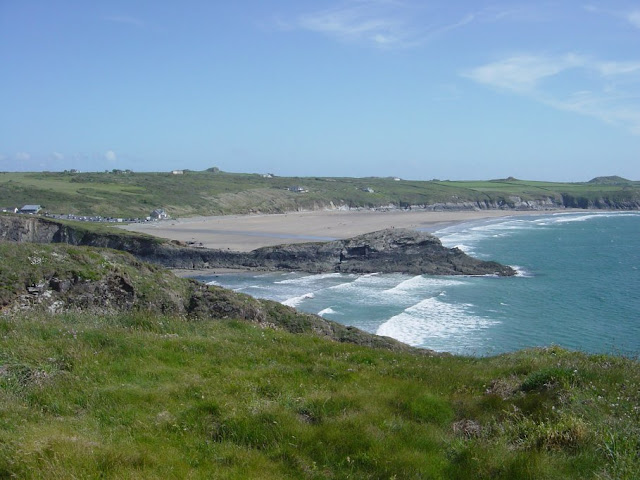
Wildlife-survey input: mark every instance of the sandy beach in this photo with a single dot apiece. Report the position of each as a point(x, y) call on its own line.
point(248, 232)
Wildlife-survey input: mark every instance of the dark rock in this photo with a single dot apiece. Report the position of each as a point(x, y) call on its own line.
point(60, 286)
point(386, 251)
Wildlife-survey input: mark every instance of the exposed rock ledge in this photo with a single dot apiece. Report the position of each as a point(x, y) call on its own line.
point(386, 251)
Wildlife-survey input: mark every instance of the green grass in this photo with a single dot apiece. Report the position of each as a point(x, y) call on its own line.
point(219, 193)
point(140, 396)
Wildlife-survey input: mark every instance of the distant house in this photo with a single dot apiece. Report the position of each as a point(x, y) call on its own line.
point(159, 214)
point(297, 189)
point(31, 209)
point(396, 179)
point(268, 175)
point(367, 189)
point(9, 210)
point(177, 172)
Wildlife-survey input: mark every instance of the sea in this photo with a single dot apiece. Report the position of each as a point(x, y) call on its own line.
point(578, 286)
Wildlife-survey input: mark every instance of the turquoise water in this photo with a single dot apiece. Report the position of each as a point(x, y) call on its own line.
point(578, 287)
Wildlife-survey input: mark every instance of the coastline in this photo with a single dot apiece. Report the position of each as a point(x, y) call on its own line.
point(247, 232)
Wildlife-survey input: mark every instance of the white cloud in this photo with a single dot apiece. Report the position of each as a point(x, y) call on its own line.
point(23, 156)
point(366, 20)
point(524, 72)
point(385, 24)
point(612, 94)
point(599, 106)
point(110, 156)
point(634, 18)
point(57, 156)
point(618, 68)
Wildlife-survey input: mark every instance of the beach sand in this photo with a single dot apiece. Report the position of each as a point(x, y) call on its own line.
point(248, 232)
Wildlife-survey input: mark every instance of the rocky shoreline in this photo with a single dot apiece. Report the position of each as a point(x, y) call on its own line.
point(387, 251)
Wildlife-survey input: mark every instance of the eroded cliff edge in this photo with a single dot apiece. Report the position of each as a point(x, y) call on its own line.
point(386, 251)
point(58, 279)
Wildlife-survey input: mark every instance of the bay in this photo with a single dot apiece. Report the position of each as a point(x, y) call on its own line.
point(578, 287)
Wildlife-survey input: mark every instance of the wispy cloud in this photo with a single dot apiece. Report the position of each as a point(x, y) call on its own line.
point(23, 156)
point(634, 18)
point(124, 19)
point(382, 23)
point(630, 16)
point(607, 90)
point(57, 156)
point(522, 73)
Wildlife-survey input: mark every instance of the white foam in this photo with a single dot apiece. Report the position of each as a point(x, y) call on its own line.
point(214, 283)
point(582, 218)
point(249, 287)
point(295, 301)
point(465, 248)
point(467, 235)
point(340, 286)
point(327, 311)
point(521, 271)
point(422, 284)
point(566, 218)
point(307, 279)
point(433, 319)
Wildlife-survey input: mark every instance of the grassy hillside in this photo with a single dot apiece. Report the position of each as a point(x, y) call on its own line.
point(214, 193)
point(165, 387)
point(150, 396)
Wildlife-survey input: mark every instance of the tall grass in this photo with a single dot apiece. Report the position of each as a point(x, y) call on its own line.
point(144, 396)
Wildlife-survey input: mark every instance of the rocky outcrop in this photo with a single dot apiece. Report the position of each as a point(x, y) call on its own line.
point(392, 250)
point(386, 251)
point(67, 279)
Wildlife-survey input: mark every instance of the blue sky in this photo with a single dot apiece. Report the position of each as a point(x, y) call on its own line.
point(546, 90)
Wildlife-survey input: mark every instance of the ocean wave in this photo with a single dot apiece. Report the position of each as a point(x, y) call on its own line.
point(249, 287)
point(521, 271)
point(466, 235)
point(295, 301)
point(328, 311)
point(340, 286)
point(433, 319)
point(423, 284)
point(567, 218)
point(307, 279)
point(213, 283)
point(465, 248)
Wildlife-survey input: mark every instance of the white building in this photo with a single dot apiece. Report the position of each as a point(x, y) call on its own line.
point(159, 214)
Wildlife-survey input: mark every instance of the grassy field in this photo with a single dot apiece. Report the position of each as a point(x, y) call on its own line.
point(147, 396)
point(218, 193)
point(155, 390)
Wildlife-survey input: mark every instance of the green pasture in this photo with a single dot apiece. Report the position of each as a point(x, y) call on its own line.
point(220, 193)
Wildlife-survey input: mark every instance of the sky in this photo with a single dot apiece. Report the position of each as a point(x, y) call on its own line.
point(460, 90)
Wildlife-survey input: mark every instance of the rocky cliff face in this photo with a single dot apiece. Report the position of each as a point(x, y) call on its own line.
point(393, 250)
point(61, 278)
point(386, 251)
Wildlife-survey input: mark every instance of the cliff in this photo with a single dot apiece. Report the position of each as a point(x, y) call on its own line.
point(62, 278)
point(392, 250)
